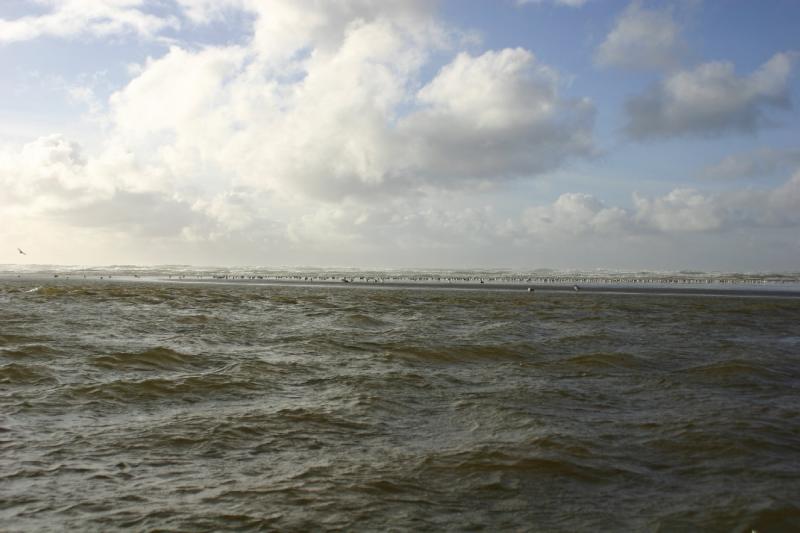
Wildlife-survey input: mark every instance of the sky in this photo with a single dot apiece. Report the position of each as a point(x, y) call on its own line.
point(522, 134)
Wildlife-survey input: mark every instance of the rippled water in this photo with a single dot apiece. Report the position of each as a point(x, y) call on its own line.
point(287, 407)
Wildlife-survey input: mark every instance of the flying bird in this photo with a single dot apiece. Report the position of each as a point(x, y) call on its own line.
point(20, 251)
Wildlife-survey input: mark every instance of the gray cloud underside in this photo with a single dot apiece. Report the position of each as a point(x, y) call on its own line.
point(762, 163)
point(710, 100)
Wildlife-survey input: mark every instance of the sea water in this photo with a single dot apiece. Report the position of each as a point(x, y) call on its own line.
point(188, 399)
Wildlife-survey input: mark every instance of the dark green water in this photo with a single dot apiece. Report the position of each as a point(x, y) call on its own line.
point(212, 406)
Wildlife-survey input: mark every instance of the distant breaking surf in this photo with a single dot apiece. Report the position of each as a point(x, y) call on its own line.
point(695, 282)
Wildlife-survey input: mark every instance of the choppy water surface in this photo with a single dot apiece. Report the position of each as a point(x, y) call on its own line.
point(217, 406)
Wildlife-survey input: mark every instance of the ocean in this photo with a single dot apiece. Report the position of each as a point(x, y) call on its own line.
point(176, 398)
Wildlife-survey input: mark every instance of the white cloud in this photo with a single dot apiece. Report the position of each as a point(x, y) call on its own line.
point(97, 18)
point(680, 210)
point(282, 28)
point(642, 39)
point(206, 11)
point(47, 173)
point(711, 99)
point(50, 183)
point(761, 163)
point(230, 110)
point(494, 116)
point(176, 113)
point(688, 210)
point(784, 203)
point(574, 214)
point(772, 208)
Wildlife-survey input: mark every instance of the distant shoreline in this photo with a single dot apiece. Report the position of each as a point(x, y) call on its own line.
point(742, 289)
point(517, 287)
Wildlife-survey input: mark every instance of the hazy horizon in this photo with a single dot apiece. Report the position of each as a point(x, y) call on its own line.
point(207, 269)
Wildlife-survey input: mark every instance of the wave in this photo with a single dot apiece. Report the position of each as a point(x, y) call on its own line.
point(20, 350)
point(193, 319)
point(26, 374)
point(738, 371)
point(10, 338)
point(746, 516)
point(157, 358)
point(362, 321)
point(52, 291)
point(192, 388)
point(465, 353)
point(601, 360)
point(484, 459)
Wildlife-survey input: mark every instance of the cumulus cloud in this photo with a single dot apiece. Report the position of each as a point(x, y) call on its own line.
point(46, 173)
point(642, 39)
point(680, 211)
point(707, 100)
point(774, 208)
point(493, 116)
point(761, 163)
point(574, 214)
point(688, 210)
point(270, 114)
point(96, 18)
point(52, 181)
point(711, 99)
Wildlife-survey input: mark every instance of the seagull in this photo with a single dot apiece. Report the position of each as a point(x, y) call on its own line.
point(20, 251)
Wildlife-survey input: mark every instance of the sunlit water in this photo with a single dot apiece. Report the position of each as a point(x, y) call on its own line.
point(295, 407)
